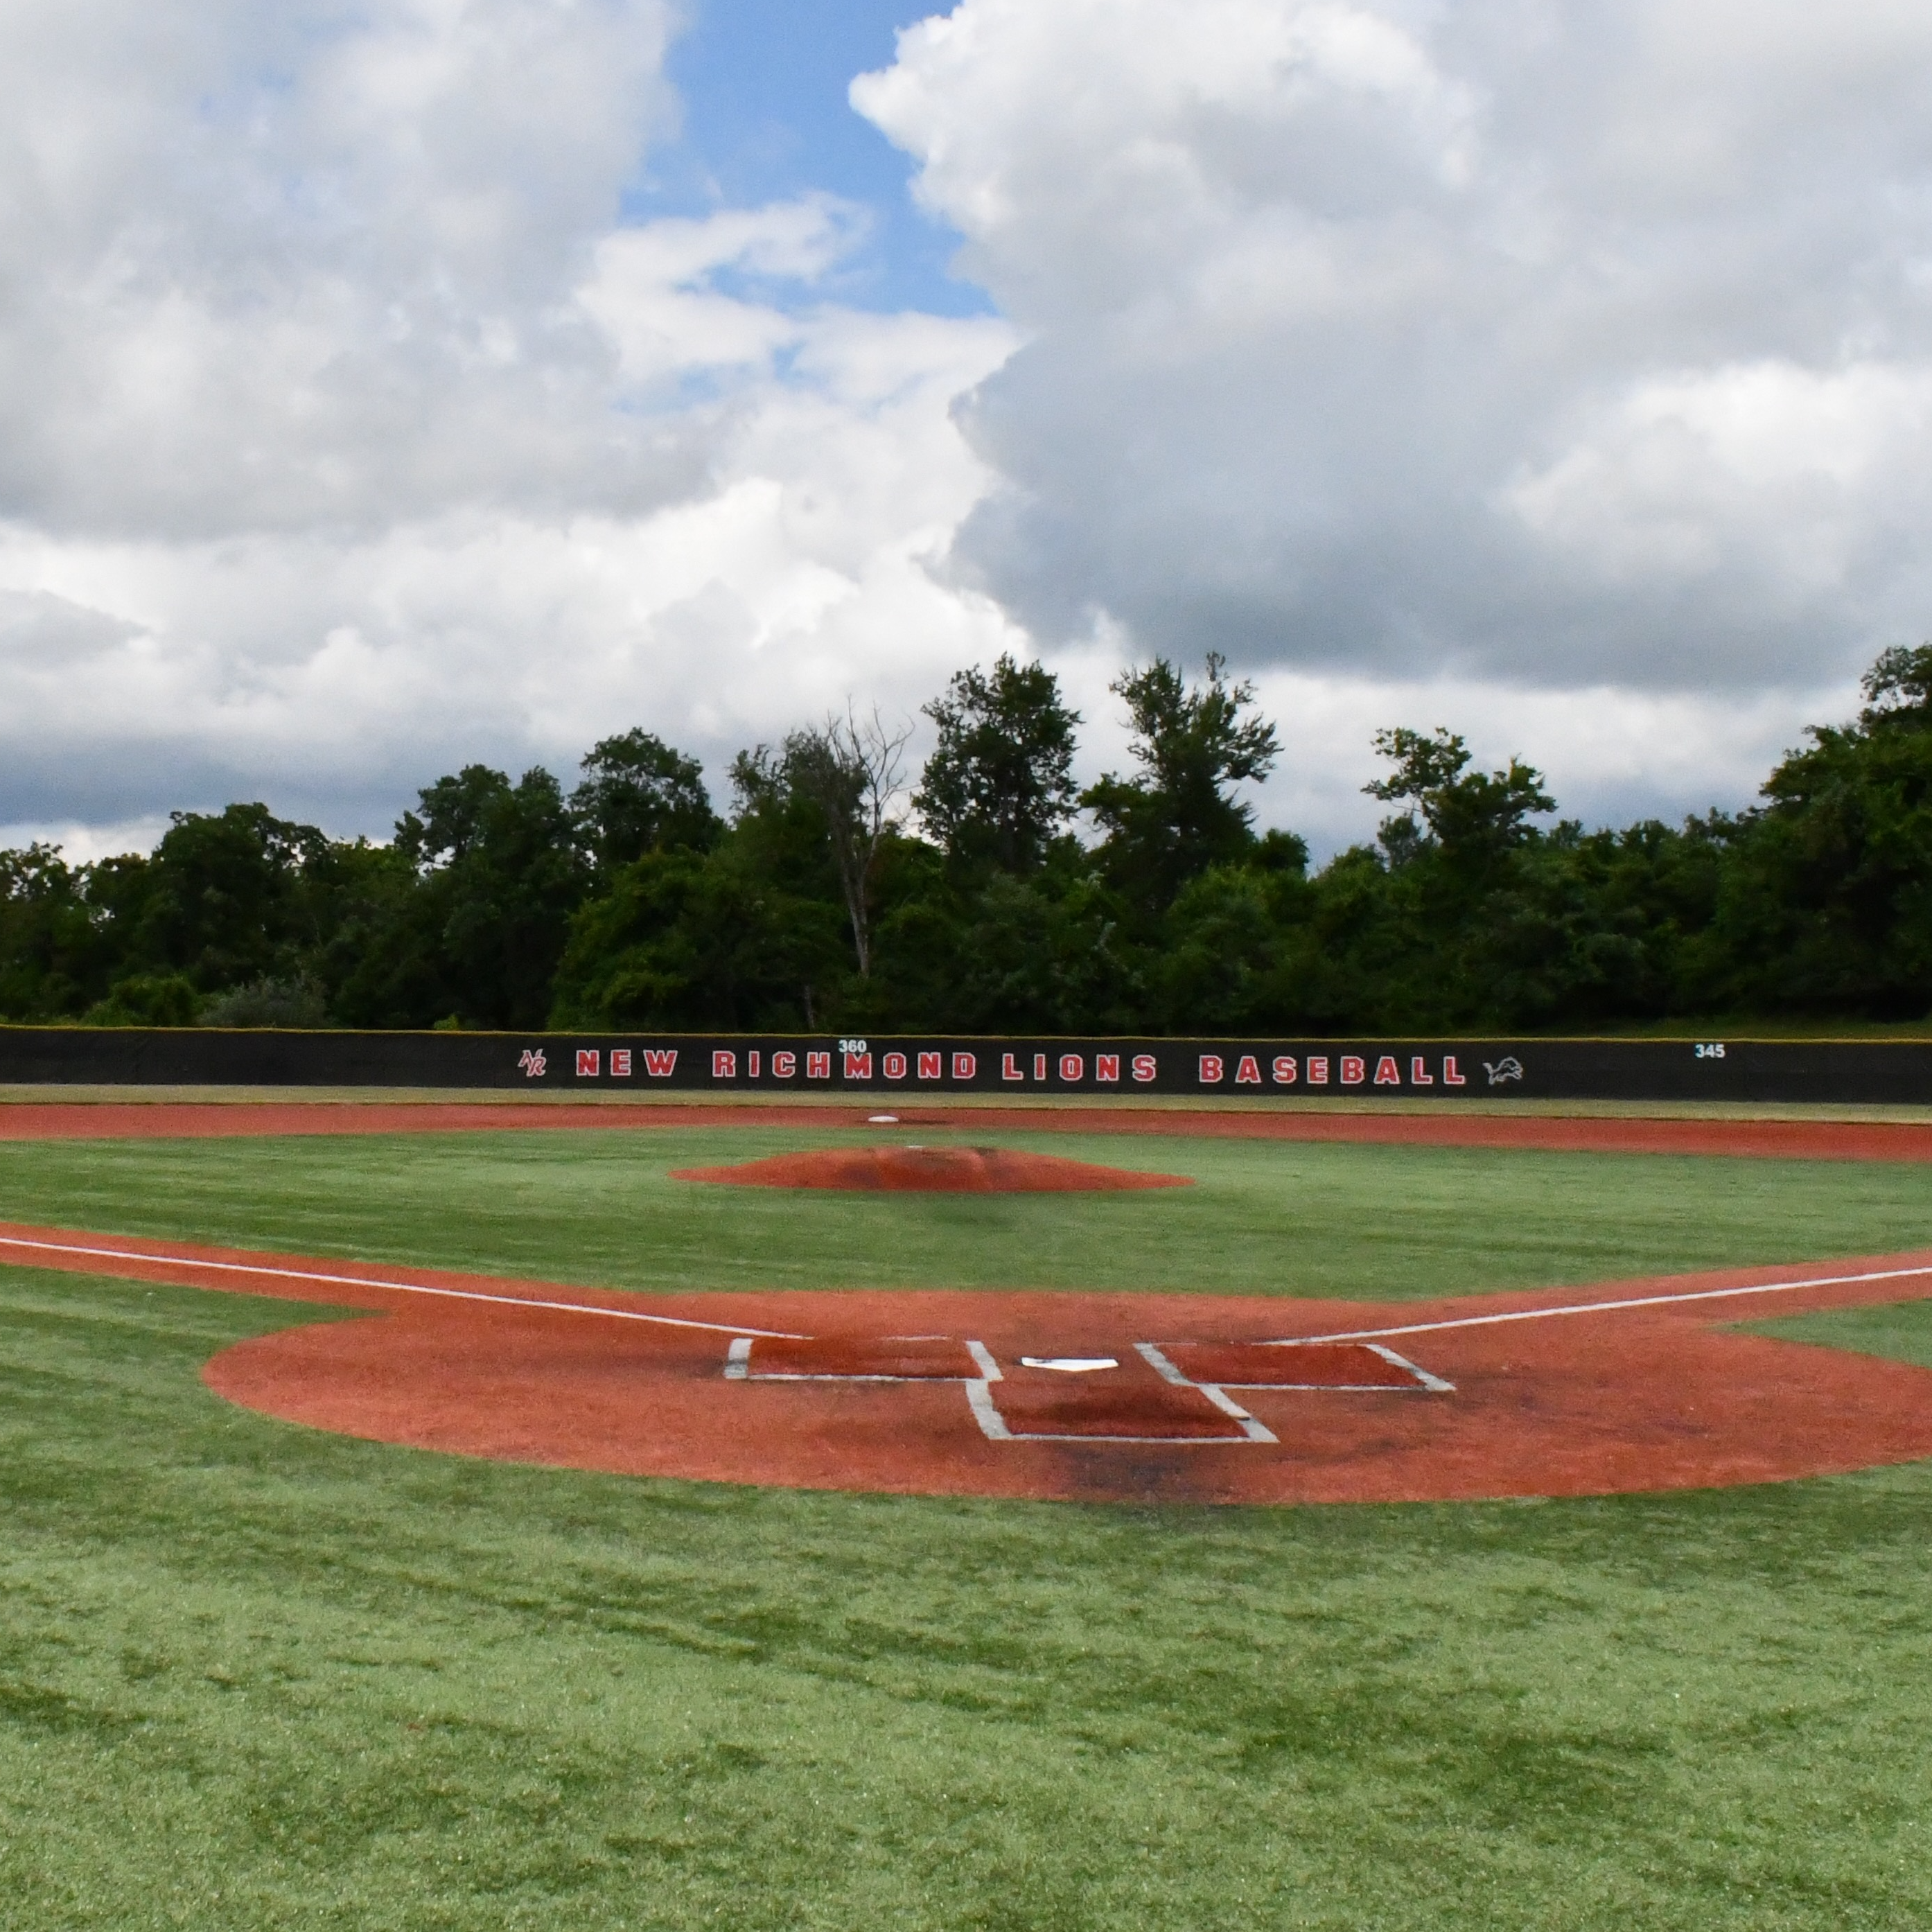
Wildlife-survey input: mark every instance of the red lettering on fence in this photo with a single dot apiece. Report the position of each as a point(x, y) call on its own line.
point(724, 1065)
point(1284, 1070)
point(964, 1066)
point(783, 1065)
point(1211, 1069)
point(1107, 1066)
point(1387, 1074)
point(1353, 1071)
point(818, 1067)
point(1419, 1075)
point(1145, 1067)
point(586, 1063)
point(660, 1062)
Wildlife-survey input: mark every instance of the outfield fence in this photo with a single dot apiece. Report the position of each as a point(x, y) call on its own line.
point(913, 1067)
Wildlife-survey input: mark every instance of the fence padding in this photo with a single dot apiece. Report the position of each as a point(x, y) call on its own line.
point(914, 1067)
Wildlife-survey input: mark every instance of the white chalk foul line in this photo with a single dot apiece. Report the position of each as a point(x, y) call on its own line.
point(787, 1335)
point(1603, 1307)
point(396, 1287)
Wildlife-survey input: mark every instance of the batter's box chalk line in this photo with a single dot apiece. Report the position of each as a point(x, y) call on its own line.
point(1201, 1411)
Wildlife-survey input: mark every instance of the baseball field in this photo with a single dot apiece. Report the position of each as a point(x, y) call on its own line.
point(442, 1519)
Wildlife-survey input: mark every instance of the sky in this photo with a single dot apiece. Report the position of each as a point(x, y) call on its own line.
point(391, 387)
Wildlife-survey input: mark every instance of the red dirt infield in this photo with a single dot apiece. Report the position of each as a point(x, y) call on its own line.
point(1635, 1385)
point(931, 1170)
point(1786, 1140)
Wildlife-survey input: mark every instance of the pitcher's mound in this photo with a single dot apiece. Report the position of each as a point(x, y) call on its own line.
point(931, 1170)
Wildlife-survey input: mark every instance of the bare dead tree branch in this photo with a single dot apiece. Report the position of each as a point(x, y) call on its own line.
point(853, 768)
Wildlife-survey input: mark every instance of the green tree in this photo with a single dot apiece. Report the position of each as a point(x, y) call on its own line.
point(496, 875)
point(1050, 954)
point(1898, 689)
point(56, 957)
point(148, 1000)
point(1195, 745)
point(221, 900)
point(358, 894)
point(779, 839)
point(1825, 902)
point(1222, 944)
point(685, 939)
point(1473, 818)
point(999, 785)
point(639, 795)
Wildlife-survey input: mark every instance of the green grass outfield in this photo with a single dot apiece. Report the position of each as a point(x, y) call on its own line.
point(598, 1208)
point(254, 1676)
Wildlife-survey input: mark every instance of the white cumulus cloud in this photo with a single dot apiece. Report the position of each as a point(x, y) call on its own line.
point(348, 432)
point(1559, 346)
point(1558, 372)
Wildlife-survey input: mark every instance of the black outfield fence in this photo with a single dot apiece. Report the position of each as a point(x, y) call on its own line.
point(911, 1067)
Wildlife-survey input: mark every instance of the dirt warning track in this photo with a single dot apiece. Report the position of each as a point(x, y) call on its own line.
point(1626, 1386)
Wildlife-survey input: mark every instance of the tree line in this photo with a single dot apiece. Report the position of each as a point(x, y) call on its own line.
point(989, 892)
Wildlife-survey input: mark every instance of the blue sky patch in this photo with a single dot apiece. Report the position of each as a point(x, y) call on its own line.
point(766, 119)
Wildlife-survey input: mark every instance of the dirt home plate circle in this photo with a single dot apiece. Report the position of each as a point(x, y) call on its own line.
point(1633, 1385)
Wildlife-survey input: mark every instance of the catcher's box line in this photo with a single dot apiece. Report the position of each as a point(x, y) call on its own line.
point(995, 1427)
point(396, 1287)
point(1601, 1307)
point(978, 1390)
point(1433, 1384)
point(1255, 1430)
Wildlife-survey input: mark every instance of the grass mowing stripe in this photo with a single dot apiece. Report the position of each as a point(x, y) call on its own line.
point(599, 1210)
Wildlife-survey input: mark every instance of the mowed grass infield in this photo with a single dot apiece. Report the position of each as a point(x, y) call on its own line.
point(255, 1675)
